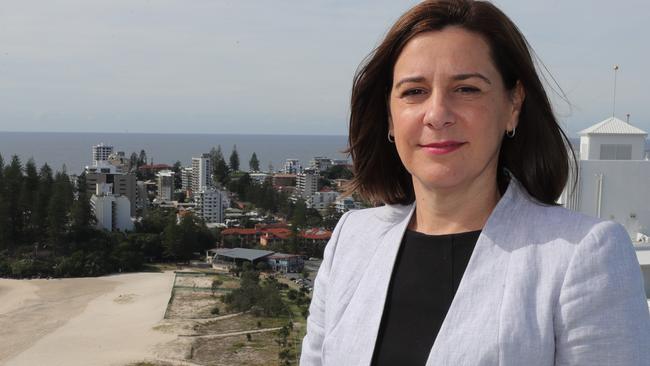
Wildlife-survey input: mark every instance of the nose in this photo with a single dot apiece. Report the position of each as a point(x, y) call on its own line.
point(438, 112)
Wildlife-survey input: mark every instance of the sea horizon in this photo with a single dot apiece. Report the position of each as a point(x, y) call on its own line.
point(73, 149)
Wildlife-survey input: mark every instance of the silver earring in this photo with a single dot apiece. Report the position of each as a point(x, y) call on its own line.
point(391, 139)
point(511, 133)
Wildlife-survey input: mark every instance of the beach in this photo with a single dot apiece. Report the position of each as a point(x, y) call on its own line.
point(83, 321)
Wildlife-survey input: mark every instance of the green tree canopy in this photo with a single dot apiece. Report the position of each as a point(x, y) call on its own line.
point(234, 159)
point(220, 170)
point(254, 163)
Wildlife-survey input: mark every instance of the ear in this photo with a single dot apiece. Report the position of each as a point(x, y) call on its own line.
point(517, 97)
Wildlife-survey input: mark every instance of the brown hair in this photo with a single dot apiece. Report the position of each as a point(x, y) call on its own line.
point(537, 156)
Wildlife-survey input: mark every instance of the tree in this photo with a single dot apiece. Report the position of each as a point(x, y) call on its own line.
point(234, 159)
point(13, 183)
point(133, 162)
point(216, 283)
point(338, 172)
point(178, 175)
point(142, 159)
point(254, 163)
point(81, 215)
point(45, 183)
point(27, 201)
point(58, 211)
point(299, 217)
point(220, 170)
point(189, 236)
point(4, 218)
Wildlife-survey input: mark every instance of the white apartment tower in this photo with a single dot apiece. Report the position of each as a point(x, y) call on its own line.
point(307, 184)
point(209, 205)
point(320, 163)
point(101, 152)
point(112, 212)
point(165, 180)
point(292, 166)
point(201, 173)
point(186, 178)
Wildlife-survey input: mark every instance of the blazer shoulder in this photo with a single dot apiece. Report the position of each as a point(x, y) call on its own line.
point(548, 222)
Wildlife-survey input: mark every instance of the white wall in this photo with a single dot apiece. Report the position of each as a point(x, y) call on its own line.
point(103, 211)
point(625, 194)
point(123, 213)
point(594, 142)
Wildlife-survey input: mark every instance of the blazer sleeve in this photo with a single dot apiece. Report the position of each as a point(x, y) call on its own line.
point(602, 313)
point(312, 344)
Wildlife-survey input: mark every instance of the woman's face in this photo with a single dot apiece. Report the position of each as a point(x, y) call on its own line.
point(449, 109)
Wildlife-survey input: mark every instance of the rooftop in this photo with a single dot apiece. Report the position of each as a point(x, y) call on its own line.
point(243, 253)
point(612, 126)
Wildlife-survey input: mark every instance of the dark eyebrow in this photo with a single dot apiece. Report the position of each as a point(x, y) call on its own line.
point(412, 79)
point(461, 77)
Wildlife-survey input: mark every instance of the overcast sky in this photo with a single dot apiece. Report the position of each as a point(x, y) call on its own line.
point(278, 67)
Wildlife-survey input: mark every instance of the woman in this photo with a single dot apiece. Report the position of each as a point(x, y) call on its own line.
point(470, 262)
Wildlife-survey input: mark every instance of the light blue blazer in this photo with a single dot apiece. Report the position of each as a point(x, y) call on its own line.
point(544, 286)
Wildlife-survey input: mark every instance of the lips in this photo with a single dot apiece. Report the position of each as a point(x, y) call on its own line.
point(442, 147)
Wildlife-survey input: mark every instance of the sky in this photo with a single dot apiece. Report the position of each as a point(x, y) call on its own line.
point(273, 67)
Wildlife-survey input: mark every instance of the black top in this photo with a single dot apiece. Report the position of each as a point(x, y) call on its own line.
point(427, 272)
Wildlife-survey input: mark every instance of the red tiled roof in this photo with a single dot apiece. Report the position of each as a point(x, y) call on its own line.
point(238, 231)
point(316, 234)
point(280, 233)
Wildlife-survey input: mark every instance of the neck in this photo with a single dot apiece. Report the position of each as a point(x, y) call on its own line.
point(442, 211)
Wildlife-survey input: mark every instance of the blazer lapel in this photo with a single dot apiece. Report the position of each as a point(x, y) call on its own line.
point(470, 331)
point(357, 331)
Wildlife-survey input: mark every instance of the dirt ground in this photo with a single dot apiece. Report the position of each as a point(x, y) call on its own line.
point(205, 339)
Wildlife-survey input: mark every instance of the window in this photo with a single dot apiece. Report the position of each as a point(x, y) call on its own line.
point(615, 152)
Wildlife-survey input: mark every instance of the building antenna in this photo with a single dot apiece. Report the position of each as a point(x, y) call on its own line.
point(614, 96)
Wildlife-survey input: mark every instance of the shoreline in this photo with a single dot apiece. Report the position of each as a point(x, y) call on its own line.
point(82, 321)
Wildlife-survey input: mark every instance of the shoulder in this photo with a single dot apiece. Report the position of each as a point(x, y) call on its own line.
point(359, 232)
point(359, 227)
point(543, 223)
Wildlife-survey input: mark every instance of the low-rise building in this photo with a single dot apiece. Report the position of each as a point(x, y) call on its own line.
point(323, 199)
point(285, 263)
point(316, 236)
point(259, 178)
point(344, 204)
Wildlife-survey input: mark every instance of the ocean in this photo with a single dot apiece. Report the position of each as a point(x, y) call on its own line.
point(74, 150)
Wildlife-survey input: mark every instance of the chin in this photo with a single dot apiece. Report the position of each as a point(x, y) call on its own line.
point(440, 180)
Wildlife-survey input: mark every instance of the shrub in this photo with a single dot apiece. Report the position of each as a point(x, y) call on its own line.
point(215, 310)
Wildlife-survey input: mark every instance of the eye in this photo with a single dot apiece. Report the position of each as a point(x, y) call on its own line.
point(467, 89)
point(413, 92)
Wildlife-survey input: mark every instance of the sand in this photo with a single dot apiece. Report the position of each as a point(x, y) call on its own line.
point(83, 321)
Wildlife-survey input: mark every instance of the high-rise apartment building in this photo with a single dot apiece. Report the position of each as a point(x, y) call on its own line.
point(307, 184)
point(111, 211)
point(101, 152)
point(320, 163)
point(165, 180)
point(209, 205)
point(122, 184)
point(292, 166)
point(186, 179)
point(201, 173)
